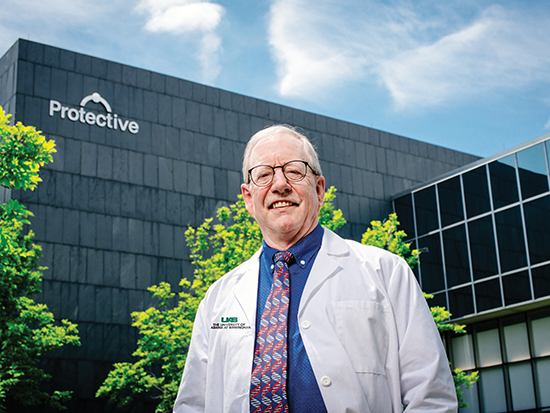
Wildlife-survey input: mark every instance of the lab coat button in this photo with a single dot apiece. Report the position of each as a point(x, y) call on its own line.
point(306, 324)
point(326, 381)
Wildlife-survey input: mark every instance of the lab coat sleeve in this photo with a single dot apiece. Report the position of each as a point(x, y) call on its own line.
point(191, 396)
point(425, 377)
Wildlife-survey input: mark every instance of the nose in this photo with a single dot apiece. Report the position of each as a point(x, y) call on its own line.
point(279, 183)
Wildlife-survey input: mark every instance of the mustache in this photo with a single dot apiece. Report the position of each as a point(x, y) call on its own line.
point(290, 198)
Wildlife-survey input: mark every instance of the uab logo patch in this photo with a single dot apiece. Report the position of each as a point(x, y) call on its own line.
point(229, 323)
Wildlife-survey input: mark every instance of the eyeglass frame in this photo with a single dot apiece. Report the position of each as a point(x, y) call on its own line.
point(282, 170)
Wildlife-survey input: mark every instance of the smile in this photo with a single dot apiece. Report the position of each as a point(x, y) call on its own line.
point(281, 204)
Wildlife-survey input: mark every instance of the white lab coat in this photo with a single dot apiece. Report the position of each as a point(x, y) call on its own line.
point(365, 324)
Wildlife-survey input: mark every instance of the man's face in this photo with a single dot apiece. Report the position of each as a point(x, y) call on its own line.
point(285, 211)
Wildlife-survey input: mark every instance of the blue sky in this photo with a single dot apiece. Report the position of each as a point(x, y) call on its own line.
point(471, 75)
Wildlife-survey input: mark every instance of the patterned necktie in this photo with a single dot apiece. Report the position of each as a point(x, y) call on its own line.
point(268, 383)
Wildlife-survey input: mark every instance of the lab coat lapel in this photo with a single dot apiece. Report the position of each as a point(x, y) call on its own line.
point(326, 263)
point(246, 287)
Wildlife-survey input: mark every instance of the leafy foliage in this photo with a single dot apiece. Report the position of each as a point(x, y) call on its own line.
point(165, 331)
point(27, 329)
point(24, 151)
point(386, 235)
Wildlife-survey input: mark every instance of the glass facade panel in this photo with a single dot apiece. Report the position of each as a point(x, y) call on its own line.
point(488, 295)
point(439, 300)
point(482, 247)
point(476, 191)
point(488, 348)
point(540, 330)
point(532, 171)
point(516, 288)
point(541, 281)
point(521, 386)
point(492, 390)
point(463, 352)
point(517, 343)
point(470, 396)
point(481, 231)
point(431, 266)
point(511, 244)
point(504, 185)
point(461, 301)
point(537, 213)
point(457, 268)
point(404, 211)
point(542, 368)
point(450, 201)
point(426, 210)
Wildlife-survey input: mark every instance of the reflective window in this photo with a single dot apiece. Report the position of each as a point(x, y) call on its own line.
point(517, 344)
point(513, 360)
point(541, 281)
point(482, 247)
point(542, 368)
point(516, 288)
point(540, 328)
point(521, 386)
point(404, 211)
point(537, 221)
point(463, 352)
point(439, 300)
point(532, 171)
point(431, 266)
point(488, 295)
point(488, 348)
point(461, 301)
point(503, 181)
point(450, 201)
point(470, 396)
point(456, 256)
point(511, 245)
point(426, 210)
point(492, 389)
point(476, 191)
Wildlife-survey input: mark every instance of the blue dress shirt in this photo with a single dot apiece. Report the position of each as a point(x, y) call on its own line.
point(303, 392)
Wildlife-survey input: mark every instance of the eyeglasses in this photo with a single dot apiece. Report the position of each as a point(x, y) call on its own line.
point(294, 171)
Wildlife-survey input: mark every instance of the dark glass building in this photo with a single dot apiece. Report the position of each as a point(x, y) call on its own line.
point(484, 235)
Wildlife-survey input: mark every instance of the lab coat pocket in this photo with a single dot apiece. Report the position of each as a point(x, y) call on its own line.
point(362, 330)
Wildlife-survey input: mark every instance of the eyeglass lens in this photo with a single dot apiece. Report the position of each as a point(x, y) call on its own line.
point(293, 171)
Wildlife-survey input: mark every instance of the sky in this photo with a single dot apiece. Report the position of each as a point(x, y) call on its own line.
point(470, 75)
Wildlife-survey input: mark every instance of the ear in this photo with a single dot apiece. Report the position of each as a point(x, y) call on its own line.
point(320, 189)
point(247, 196)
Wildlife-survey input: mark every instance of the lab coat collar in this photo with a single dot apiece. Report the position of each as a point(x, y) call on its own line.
point(326, 264)
point(246, 286)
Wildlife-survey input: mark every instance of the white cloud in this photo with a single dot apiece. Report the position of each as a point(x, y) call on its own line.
point(494, 52)
point(423, 55)
point(182, 16)
point(186, 17)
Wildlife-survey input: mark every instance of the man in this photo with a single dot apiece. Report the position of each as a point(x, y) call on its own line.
point(322, 324)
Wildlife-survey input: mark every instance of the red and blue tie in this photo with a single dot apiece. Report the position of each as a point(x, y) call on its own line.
point(268, 390)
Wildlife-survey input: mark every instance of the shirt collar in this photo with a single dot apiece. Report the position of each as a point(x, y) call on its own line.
point(303, 251)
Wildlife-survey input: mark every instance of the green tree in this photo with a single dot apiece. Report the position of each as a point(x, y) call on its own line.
point(27, 329)
point(386, 235)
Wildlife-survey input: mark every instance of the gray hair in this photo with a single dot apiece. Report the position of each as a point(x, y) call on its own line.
point(271, 131)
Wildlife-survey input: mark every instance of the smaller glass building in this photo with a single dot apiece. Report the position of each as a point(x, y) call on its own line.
point(484, 236)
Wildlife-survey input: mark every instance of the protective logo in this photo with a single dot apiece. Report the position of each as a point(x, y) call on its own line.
point(108, 120)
